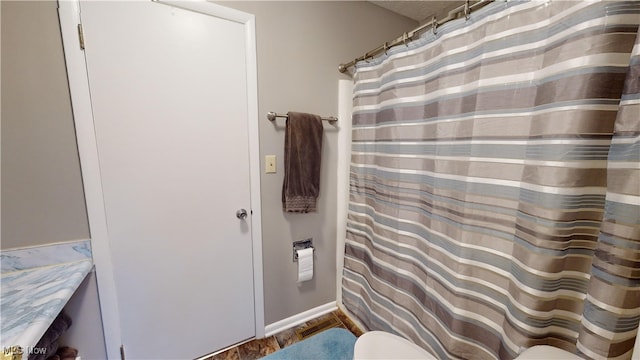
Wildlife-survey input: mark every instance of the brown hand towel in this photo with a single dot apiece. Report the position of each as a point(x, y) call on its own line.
point(302, 158)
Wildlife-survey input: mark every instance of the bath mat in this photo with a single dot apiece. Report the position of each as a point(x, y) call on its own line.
point(332, 344)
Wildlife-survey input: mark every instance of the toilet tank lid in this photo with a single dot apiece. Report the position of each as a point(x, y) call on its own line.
point(384, 345)
point(546, 352)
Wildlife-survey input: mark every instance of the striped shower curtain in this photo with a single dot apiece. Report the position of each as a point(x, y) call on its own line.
point(495, 183)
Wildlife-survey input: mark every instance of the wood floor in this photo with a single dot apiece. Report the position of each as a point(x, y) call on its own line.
point(258, 348)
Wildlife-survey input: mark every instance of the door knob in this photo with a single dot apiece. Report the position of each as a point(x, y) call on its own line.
point(241, 214)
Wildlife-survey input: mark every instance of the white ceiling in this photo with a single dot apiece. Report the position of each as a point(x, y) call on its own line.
point(420, 11)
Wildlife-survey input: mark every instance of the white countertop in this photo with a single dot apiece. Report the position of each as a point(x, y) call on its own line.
point(31, 298)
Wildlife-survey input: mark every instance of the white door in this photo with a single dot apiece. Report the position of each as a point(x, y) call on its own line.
point(169, 96)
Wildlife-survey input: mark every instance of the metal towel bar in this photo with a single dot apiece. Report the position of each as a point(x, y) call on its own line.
point(272, 116)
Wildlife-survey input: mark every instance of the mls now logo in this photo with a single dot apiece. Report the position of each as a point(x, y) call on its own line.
point(17, 350)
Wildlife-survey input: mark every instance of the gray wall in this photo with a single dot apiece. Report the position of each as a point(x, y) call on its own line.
point(42, 195)
point(300, 45)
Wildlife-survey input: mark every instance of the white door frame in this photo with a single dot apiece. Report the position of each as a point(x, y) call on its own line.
point(69, 13)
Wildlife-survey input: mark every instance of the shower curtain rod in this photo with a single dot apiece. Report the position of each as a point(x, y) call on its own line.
point(464, 9)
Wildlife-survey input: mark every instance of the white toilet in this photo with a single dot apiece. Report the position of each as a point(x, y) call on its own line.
point(384, 345)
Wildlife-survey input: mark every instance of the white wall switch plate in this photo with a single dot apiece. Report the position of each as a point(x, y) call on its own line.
point(270, 164)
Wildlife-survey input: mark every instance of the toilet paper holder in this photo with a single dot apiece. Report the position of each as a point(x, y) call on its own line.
point(301, 244)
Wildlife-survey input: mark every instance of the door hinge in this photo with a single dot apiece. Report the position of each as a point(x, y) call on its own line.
point(81, 36)
point(122, 352)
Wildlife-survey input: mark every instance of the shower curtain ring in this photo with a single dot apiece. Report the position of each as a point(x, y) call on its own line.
point(467, 11)
point(385, 47)
point(405, 37)
point(434, 25)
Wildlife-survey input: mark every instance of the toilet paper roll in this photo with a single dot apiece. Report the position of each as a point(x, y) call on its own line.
point(305, 264)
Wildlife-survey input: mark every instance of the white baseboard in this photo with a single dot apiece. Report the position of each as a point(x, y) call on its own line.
point(298, 319)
